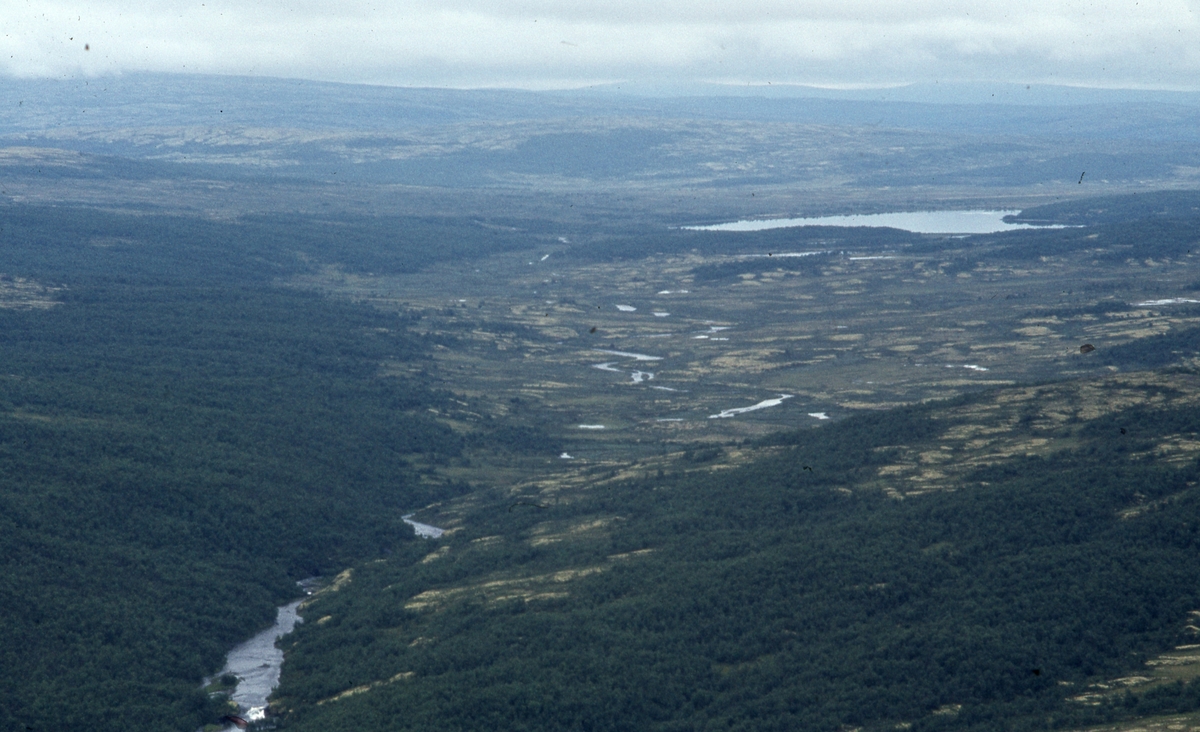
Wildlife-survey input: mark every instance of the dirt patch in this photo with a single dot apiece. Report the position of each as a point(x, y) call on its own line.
point(20, 293)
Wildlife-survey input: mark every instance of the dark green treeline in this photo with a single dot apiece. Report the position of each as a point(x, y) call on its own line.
point(181, 439)
point(780, 598)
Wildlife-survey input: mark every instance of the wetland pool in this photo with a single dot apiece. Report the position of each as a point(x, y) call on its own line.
point(727, 413)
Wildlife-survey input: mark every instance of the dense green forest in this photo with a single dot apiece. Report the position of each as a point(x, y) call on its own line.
point(789, 594)
point(1115, 209)
point(1168, 349)
point(70, 242)
point(183, 437)
point(1114, 242)
point(615, 241)
point(181, 440)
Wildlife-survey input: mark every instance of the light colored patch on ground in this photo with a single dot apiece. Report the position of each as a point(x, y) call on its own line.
point(24, 155)
point(338, 583)
point(20, 293)
point(630, 555)
point(1053, 320)
point(854, 405)
point(1178, 448)
point(536, 587)
point(747, 361)
point(545, 534)
point(402, 676)
point(1033, 331)
point(1038, 420)
point(1182, 663)
point(434, 556)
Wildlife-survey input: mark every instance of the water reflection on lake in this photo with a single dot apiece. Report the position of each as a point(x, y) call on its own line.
point(919, 222)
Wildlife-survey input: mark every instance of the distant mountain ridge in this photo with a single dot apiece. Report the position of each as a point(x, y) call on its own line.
point(1041, 95)
point(151, 100)
point(212, 126)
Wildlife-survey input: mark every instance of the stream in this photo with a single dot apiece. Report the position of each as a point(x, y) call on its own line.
point(425, 531)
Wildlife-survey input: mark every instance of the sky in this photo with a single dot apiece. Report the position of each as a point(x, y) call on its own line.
point(545, 44)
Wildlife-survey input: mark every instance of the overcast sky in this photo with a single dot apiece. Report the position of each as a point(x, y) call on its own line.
point(570, 43)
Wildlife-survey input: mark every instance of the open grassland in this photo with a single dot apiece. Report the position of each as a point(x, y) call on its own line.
point(1178, 664)
point(1004, 427)
point(626, 358)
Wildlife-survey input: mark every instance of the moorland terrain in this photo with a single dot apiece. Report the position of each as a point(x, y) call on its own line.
point(247, 329)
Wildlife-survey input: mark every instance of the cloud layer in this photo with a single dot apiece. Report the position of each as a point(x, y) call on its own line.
point(547, 43)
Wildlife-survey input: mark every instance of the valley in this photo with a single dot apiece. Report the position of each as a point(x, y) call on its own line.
point(653, 347)
point(561, 457)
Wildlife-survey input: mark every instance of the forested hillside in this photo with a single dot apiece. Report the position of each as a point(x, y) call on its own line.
point(181, 440)
point(1159, 205)
point(197, 411)
point(796, 592)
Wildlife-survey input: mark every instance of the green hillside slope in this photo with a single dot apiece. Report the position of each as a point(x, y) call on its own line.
point(1055, 546)
point(181, 440)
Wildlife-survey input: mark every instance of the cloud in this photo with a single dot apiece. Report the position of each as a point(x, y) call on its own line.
point(547, 43)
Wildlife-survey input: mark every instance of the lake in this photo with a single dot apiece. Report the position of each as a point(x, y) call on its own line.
point(918, 222)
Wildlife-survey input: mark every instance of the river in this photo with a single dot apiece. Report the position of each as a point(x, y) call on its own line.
point(425, 531)
point(257, 662)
